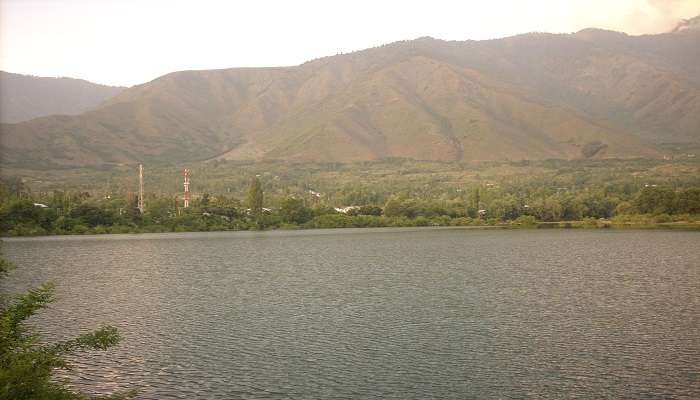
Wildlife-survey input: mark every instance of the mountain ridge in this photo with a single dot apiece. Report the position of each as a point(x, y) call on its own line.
point(590, 94)
point(24, 97)
point(691, 24)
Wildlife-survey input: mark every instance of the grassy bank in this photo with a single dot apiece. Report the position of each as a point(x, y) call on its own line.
point(342, 221)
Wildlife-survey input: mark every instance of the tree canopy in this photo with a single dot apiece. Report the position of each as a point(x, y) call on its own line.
point(255, 197)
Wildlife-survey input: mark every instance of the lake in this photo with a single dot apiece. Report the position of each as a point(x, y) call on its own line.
point(378, 313)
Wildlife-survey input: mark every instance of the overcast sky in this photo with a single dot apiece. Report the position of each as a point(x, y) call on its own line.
point(126, 42)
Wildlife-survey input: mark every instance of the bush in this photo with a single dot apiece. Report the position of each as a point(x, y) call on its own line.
point(91, 215)
point(400, 222)
point(461, 221)
point(80, 229)
point(293, 211)
point(590, 222)
point(525, 220)
point(27, 229)
point(440, 220)
point(331, 221)
point(366, 210)
point(368, 221)
point(120, 229)
point(288, 227)
point(422, 221)
point(65, 223)
point(662, 218)
point(100, 229)
point(27, 364)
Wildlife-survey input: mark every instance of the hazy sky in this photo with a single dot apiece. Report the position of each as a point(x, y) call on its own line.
point(126, 42)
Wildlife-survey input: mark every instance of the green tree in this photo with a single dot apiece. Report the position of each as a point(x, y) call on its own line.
point(655, 200)
point(24, 216)
point(294, 211)
point(91, 215)
point(25, 365)
point(506, 208)
point(624, 208)
point(22, 211)
point(131, 211)
point(599, 205)
point(160, 209)
point(401, 206)
point(572, 209)
point(688, 201)
point(205, 200)
point(366, 210)
point(476, 199)
point(548, 209)
point(255, 197)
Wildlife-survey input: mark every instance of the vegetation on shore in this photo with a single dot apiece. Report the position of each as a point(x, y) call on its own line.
point(385, 194)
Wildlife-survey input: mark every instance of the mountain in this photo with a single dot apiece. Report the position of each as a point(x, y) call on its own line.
point(692, 24)
point(591, 94)
point(23, 97)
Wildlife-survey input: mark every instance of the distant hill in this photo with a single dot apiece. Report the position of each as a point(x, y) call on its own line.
point(591, 94)
point(23, 97)
point(692, 24)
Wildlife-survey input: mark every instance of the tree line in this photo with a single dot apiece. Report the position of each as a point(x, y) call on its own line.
point(23, 212)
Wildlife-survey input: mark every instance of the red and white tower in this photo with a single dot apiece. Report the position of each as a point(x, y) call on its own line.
point(186, 195)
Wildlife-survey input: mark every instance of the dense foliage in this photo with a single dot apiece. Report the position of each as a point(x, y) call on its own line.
point(388, 193)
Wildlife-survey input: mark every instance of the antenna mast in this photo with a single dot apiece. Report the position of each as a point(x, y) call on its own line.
point(186, 182)
point(140, 205)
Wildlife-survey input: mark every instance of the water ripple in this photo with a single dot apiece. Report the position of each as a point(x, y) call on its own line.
point(391, 314)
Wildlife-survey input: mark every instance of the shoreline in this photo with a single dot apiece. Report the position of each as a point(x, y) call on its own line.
point(669, 226)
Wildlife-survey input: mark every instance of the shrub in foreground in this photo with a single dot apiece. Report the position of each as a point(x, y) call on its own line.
point(26, 366)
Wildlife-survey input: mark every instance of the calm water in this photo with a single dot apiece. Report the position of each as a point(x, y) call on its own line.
point(397, 314)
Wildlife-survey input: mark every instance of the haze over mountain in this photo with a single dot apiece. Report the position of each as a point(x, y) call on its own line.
point(591, 94)
point(23, 97)
point(688, 24)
